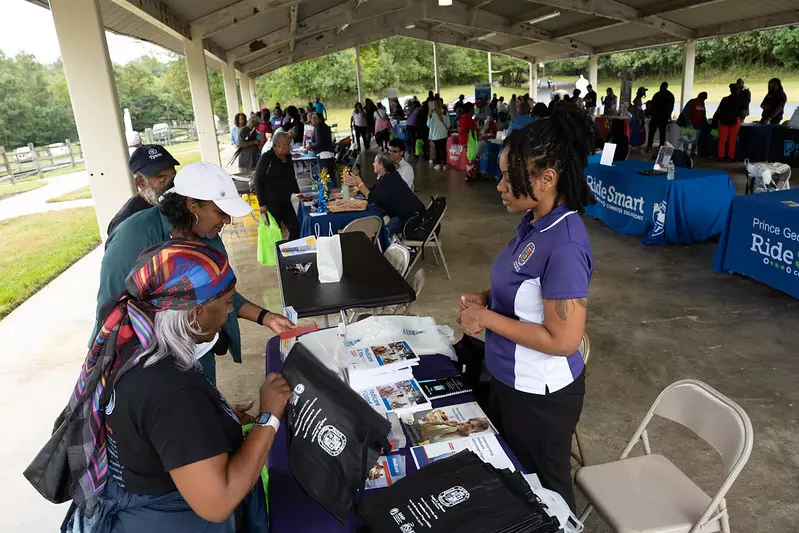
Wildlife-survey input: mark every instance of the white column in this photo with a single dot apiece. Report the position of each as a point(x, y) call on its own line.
point(358, 73)
point(490, 73)
point(95, 104)
point(533, 79)
point(201, 100)
point(593, 67)
point(435, 67)
point(254, 96)
point(246, 93)
point(231, 97)
point(688, 62)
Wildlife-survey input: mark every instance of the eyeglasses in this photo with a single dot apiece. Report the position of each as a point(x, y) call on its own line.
point(395, 151)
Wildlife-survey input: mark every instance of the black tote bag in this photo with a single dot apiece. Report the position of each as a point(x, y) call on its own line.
point(334, 437)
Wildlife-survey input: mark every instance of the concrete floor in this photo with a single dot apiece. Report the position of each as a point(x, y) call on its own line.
point(656, 315)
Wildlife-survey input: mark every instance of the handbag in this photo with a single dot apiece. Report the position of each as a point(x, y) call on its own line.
point(419, 147)
point(334, 437)
point(268, 237)
point(49, 471)
point(471, 147)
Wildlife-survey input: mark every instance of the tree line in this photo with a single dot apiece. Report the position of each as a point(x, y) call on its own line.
point(35, 106)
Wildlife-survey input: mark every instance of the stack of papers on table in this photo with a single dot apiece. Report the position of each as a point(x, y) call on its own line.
point(400, 397)
point(379, 364)
point(306, 245)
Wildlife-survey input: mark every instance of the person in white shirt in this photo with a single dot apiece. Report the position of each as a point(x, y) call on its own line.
point(397, 149)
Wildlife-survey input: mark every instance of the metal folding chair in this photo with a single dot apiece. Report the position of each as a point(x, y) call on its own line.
point(432, 241)
point(370, 226)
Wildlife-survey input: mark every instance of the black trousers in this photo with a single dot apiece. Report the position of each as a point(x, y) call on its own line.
point(282, 210)
point(659, 125)
point(539, 429)
point(410, 144)
point(441, 151)
point(361, 133)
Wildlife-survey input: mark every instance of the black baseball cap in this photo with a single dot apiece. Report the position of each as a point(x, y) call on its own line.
point(150, 159)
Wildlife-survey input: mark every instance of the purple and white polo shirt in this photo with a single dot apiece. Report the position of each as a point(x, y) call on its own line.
point(549, 259)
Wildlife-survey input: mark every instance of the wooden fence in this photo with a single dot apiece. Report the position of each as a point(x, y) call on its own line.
point(42, 158)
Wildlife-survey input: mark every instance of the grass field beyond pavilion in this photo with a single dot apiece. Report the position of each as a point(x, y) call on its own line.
point(36, 248)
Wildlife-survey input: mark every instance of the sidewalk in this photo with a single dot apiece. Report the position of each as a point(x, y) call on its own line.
point(45, 343)
point(35, 201)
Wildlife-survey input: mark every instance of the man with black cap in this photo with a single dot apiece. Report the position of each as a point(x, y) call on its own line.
point(153, 169)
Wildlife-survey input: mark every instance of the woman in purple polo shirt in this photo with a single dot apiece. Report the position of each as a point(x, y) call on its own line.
point(534, 314)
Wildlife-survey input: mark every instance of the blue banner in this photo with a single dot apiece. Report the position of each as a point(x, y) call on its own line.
point(691, 208)
point(762, 240)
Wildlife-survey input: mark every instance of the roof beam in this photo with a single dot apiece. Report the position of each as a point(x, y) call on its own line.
point(448, 37)
point(293, 26)
point(159, 14)
point(756, 23)
point(329, 19)
point(587, 27)
point(237, 12)
point(670, 6)
point(320, 40)
point(614, 9)
point(460, 14)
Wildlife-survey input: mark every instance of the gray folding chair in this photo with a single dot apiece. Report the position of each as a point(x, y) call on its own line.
point(432, 241)
point(371, 226)
point(579, 452)
point(649, 493)
point(399, 256)
point(402, 309)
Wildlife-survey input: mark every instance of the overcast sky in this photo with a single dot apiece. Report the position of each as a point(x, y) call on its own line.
point(25, 27)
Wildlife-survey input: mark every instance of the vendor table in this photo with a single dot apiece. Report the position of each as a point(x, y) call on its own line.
point(761, 239)
point(291, 510)
point(489, 162)
point(369, 281)
point(768, 142)
point(691, 208)
point(335, 222)
point(603, 125)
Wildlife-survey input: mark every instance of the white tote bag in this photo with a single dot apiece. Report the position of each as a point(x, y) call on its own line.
point(328, 259)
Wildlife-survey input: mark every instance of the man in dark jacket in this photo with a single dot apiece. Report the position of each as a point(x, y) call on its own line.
point(745, 98)
point(661, 107)
point(153, 169)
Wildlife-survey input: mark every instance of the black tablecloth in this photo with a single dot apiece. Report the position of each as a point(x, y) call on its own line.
point(293, 511)
point(785, 146)
point(369, 281)
point(768, 142)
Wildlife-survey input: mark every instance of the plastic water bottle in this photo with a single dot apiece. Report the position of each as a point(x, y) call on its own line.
point(670, 171)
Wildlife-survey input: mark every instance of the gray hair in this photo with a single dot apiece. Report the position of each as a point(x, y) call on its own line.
point(175, 336)
point(280, 134)
point(385, 159)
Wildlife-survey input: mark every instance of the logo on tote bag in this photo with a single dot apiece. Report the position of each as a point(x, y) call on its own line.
point(332, 441)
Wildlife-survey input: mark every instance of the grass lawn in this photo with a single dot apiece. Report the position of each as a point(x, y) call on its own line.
point(77, 194)
point(7, 190)
point(37, 248)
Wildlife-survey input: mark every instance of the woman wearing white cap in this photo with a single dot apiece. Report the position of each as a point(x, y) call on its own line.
point(202, 201)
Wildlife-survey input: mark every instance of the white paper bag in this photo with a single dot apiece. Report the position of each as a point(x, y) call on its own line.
point(328, 259)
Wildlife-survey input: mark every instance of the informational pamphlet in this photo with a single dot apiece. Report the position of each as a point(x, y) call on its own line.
point(396, 437)
point(446, 423)
point(400, 397)
point(487, 447)
point(444, 387)
point(306, 245)
point(379, 359)
point(388, 470)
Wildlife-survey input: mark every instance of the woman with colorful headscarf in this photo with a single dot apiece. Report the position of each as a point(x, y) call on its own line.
point(202, 200)
point(153, 446)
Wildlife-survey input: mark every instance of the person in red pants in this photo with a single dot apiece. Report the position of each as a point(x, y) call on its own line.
point(729, 120)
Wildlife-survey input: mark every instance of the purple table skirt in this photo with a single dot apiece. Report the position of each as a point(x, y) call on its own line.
point(293, 511)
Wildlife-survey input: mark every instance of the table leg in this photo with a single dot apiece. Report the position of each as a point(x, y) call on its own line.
point(327, 322)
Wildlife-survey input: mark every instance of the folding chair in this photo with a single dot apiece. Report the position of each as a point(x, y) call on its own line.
point(371, 226)
point(418, 285)
point(432, 241)
point(649, 493)
point(579, 453)
point(399, 256)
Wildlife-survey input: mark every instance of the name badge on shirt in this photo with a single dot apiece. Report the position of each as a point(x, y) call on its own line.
point(524, 256)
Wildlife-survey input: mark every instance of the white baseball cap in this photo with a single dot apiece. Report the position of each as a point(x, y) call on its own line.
point(204, 181)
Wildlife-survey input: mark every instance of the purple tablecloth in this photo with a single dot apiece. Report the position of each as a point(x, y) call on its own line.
point(293, 511)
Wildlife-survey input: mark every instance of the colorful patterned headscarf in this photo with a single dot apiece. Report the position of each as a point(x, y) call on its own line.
point(180, 275)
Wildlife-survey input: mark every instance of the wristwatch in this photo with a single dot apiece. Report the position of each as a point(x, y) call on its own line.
point(267, 419)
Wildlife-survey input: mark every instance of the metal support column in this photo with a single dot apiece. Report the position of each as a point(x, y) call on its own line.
point(95, 104)
point(358, 73)
point(231, 97)
point(688, 63)
point(490, 72)
point(533, 80)
point(435, 68)
point(593, 67)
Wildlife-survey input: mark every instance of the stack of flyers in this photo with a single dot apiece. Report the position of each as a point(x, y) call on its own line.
point(367, 367)
point(446, 423)
point(486, 447)
point(396, 437)
point(388, 470)
point(400, 397)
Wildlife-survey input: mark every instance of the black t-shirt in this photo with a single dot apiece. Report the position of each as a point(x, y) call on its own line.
point(393, 196)
point(771, 103)
point(274, 178)
point(590, 99)
point(161, 418)
point(132, 206)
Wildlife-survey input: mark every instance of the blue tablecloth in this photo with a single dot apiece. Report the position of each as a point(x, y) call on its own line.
point(489, 162)
point(335, 222)
point(691, 208)
point(761, 240)
point(768, 142)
